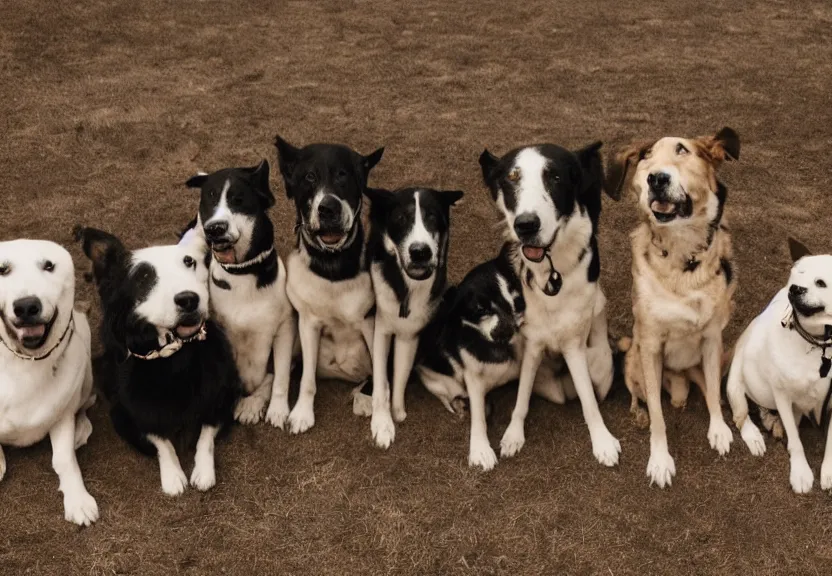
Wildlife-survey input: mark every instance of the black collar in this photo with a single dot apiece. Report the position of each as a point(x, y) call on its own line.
point(68, 332)
point(823, 343)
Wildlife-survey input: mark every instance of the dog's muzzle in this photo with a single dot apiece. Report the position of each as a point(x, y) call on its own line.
point(221, 243)
point(28, 326)
point(797, 298)
point(420, 265)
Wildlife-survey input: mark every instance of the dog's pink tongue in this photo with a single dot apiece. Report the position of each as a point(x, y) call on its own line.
point(225, 256)
point(31, 331)
point(533, 253)
point(186, 331)
point(662, 207)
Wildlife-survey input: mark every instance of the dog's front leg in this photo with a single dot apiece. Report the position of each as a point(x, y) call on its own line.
point(174, 480)
point(719, 434)
point(403, 358)
point(367, 331)
point(515, 436)
point(204, 476)
point(79, 506)
point(660, 467)
point(826, 467)
point(282, 351)
point(480, 452)
point(605, 446)
point(381, 424)
point(800, 475)
point(302, 417)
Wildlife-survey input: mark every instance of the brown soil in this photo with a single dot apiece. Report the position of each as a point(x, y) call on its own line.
point(108, 107)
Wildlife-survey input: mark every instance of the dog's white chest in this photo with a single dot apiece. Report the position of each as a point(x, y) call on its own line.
point(388, 306)
point(564, 318)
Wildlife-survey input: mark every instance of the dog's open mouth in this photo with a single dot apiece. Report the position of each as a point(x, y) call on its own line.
point(804, 308)
point(33, 335)
point(534, 253)
point(224, 252)
point(665, 211)
point(419, 272)
point(330, 238)
point(189, 326)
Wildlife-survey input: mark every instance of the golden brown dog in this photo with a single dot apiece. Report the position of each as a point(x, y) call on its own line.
point(683, 280)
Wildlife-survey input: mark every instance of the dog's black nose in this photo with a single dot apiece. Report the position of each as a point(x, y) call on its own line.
point(658, 180)
point(795, 290)
point(330, 208)
point(216, 229)
point(187, 301)
point(28, 308)
point(527, 224)
point(420, 253)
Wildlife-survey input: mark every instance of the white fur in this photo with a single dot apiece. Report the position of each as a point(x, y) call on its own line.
point(419, 234)
point(779, 370)
point(532, 196)
point(203, 476)
point(173, 477)
point(49, 396)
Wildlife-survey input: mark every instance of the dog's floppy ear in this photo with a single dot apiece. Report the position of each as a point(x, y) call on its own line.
point(378, 196)
point(798, 250)
point(197, 181)
point(369, 162)
point(488, 163)
point(259, 177)
point(592, 167)
point(724, 145)
point(287, 156)
point(105, 251)
point(621, 166)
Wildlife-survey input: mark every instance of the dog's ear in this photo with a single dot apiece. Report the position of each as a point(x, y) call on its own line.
point(798, 250)
point(105, 251)
point(589, 157)
point(369, 162)
point(197, 181)
point(488, 164)
point(259, 178)
point(724, 145)
point(621, 166)
point(450, 197)
point(287, 156)
point(378, 196)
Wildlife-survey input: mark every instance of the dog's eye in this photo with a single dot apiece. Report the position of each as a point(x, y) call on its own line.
point(48, 266)
point(234, 200)
point(310, 177)
point(5, 269)
point(189, 262)
point(820, 283)
point(680, 149)
point(341, 174)
point(514, 175)
point(429, 219)
point(554, 176)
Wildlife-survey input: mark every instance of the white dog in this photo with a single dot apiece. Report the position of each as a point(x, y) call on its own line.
point(782, 363)
point(45, 367)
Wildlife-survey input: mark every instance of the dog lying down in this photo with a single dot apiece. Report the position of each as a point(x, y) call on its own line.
point(782, 362)
point(175, 376)
point(45, 368)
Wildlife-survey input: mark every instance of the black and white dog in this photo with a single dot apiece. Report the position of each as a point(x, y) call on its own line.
point(408, 251)
point(551, 200)
point(174, 372)
point(329, 280)
point(474, 345)
point(247, 285)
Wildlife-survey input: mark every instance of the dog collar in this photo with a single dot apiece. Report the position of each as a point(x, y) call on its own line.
point(823, 344)
point(172, 347)
point(68, 332)
point(238, 268)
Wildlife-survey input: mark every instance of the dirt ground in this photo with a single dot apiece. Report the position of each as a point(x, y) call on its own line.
point(106, 108)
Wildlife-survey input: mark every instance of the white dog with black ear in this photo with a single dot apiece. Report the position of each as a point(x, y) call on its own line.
point(782, 362)
point(45, 367)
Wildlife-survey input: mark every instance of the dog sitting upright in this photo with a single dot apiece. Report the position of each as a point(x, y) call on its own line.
point(329, 280)
point(782, 362)
point(45, 367)
point(247, 284)
point(174, 371)
point(408, 251)
point(683, 280)
point(551, 200)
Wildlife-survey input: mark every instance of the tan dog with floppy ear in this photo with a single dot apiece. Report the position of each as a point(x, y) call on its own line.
point(683, 280)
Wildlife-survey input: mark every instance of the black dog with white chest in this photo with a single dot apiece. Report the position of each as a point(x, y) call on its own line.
point(329, 280)
point(408, 249)
point(174, 374)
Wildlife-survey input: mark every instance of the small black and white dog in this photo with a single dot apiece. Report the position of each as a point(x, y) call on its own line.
point(174, 372)
point(408, 251)
point(474, 345)
point(329, 280)
point(551, 200)
point(247, 285)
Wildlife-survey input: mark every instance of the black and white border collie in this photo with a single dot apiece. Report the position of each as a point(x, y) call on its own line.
point(174, 373)
point(329, 280)
point(247, 285)
point(474, 345)
point(408, 250)
point(551, 200)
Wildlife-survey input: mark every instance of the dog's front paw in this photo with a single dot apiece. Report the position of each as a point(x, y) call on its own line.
point(250, 409)
point(753, 438)
point(826, 475)
point(482, 454)
point(384, 431)
point(301, 418)
point(80, 508)
point(83, 429)
point(174, 481)
point(512, 441)
point(278, 412)
point(605, 447)
point(719, 435)
point(399, 414)
point(203, 476)
point(661, 468)
point(800, 475)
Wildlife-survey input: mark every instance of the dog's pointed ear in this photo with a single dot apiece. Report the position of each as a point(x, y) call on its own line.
point(369, 162)
point(451, 197)
point(105, 251)
point(197, 181)
point(797, 249)
point(287, 156)
point(488, 163)
point(620, 169)
point(592, 167)
point(260, 180)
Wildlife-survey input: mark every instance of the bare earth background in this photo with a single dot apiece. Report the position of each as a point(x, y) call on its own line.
point(107, 107)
